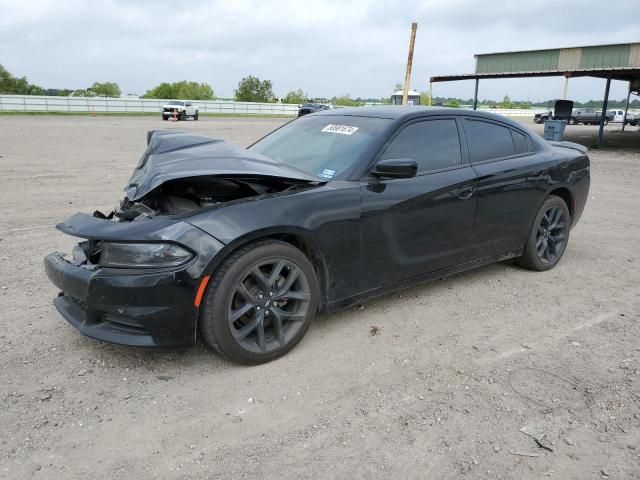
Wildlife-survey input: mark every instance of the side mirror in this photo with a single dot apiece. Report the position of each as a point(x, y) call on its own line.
point(396, 168)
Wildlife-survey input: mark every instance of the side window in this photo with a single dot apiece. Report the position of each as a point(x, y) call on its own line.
point(521, 142)
point(434, 144)
point(488, 140)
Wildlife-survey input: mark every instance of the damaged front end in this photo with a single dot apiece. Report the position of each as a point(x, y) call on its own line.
point(134, 277)
point(186, 195)
point(181, 172)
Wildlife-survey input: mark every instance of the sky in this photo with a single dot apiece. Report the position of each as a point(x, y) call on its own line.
point(324, 47)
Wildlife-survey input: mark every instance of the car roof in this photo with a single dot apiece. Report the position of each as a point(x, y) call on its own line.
point(397, 112)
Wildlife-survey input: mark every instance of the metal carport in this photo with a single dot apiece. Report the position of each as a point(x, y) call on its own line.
point(611, 62)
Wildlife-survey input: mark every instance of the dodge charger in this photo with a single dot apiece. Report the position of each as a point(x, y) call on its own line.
point(245, 246)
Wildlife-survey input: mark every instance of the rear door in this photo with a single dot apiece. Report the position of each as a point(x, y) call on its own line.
point(512, 179)
point(413, 226)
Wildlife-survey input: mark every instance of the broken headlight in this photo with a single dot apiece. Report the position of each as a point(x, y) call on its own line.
point(143, 255)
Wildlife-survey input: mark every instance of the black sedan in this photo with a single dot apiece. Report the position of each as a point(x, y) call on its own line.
point(247, 245)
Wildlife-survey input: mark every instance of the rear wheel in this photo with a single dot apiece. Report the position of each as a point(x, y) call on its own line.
point(549, 235)
point(260, 302)
point(183, 115)
point(573, 121)
point(195, 117)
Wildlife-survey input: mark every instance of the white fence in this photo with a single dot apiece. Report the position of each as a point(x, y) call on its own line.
point(37, 103)
point(513, 112)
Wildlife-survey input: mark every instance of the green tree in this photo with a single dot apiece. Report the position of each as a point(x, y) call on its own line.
point(506, 102)
point(106, 89)
point(13, 85)
point(452, 103)
point(346, 101)
point(295, 96)
point(182, 90)
point(81, 92)
point(251, 89)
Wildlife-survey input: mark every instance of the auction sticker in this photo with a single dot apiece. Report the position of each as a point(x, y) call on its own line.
point(328, 173)
point(341, 129)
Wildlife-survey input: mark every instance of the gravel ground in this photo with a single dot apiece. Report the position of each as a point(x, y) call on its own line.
point(435, 382)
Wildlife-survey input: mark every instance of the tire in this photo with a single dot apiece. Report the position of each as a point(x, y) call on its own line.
point(573, 121)
point(252, 337)
point(549, 234)
point(165, 118)
point(195, 117)
point(183, 115)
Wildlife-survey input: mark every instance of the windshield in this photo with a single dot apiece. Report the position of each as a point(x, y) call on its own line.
point(326, 145)
point(175, 102)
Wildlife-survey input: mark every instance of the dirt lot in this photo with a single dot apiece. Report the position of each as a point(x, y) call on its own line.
point(457, 368)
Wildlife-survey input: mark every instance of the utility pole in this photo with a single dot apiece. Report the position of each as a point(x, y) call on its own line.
point(407, 77)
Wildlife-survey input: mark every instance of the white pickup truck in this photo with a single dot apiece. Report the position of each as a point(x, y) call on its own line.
point(182, 109)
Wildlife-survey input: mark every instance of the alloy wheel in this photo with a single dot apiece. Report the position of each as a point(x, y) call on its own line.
point(552, 235)
point(268, 305)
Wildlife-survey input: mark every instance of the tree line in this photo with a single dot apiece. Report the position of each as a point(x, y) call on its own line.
point(252, 89)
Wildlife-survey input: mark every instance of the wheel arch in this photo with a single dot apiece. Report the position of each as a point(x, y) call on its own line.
point(297, 237)
point(565, 194)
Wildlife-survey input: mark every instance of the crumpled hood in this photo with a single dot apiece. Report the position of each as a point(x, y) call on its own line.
point(172, 155)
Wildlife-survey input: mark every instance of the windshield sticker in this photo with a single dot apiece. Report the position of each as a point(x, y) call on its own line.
point(328, 173)
point(341, 129)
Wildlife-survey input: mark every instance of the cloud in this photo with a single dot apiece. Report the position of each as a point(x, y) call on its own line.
point(325, 47)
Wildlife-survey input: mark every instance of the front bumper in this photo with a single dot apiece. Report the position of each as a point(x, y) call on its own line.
point(153, 309)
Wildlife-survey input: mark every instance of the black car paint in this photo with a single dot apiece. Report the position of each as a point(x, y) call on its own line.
point(366, 235)
point(134, 307)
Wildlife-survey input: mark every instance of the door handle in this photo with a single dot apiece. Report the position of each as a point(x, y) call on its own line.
point(466, 192)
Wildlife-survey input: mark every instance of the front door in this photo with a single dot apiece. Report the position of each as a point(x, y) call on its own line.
point(418, 225)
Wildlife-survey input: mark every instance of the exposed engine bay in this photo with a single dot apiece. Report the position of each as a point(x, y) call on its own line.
point(181, 172)
point(182, 196)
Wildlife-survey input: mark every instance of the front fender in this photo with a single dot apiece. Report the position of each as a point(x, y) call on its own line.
point(326, 217)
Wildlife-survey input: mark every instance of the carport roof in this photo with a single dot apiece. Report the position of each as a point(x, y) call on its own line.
point(623, 73)
point(616, 61)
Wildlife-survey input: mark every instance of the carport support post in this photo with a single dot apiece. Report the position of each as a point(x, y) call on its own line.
point(603, 116)
point(626, 108)
point(565, 91)
point(475, 95)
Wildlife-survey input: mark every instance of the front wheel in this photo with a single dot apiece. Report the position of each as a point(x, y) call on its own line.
point(573, 121)
point(260, 302)
point(548, 237)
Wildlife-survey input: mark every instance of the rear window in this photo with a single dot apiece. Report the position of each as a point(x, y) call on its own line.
point(521, 142)
point(488, 140)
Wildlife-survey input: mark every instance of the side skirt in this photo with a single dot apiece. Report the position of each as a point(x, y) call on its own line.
point(427, 277)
